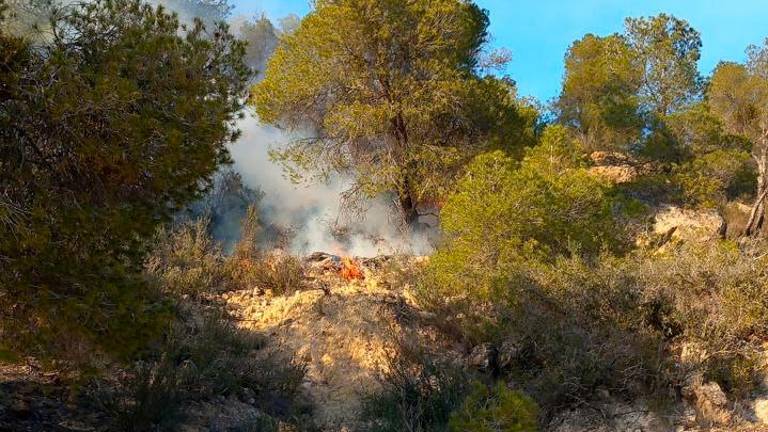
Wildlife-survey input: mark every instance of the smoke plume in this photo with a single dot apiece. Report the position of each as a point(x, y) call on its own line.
point(312, 214)
point(313, 211)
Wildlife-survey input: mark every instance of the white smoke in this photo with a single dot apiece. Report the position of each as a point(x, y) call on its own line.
point(313, 211)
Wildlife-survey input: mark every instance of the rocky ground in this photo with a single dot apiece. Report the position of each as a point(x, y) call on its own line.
point(34, 400)
point(343, 328)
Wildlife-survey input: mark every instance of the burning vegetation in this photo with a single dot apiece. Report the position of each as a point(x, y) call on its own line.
point(351, 270)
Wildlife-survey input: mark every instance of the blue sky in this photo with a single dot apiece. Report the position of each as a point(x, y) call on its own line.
point(538, 32)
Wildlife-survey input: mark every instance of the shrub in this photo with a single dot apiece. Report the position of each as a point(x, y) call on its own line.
point(419, 393)
point(251, 268)
point(281, 274)
point(714, 296)
point(503, 218)
point(498, 409)
point(151, 400)
point(201, 359)
point(232, 207)
point(711, 180)
point(579, 326)
point(134, 123)
point(187, 261)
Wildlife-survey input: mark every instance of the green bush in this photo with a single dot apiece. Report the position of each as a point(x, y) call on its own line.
point(504, 217)
point(715, 178)
point(134, 122)
point(578, 327)
point(498, 409)
point(619, 324)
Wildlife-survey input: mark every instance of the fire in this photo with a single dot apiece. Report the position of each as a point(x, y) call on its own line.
point(350, 270)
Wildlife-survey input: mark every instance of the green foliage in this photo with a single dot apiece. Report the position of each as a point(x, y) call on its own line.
point(578, 326)
point(616, 323)
point(393, 90)
point(130, 125)
point(737, 95)
point(668, 50)
point(499, 409)
point(715, 178)
point(502, 215)
point(599, 97)
point(619, 90)
point(210, 12)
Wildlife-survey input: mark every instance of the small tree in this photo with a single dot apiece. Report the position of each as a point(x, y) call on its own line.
point(738, 94)
point(392, 94)
point(261, 36)
point(106, 131)
point(502, 215)
point(668, 50)
point(620, 90)
point(599, 97)
point(210, 12)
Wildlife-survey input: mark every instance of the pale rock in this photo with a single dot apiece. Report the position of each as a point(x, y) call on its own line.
point(688, 225)
point(760, 407)
point(709, 400)
point(481, 357)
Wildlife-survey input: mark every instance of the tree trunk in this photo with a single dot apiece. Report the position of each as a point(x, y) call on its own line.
point(408, 205)
point(757, 216)
point(405, 190)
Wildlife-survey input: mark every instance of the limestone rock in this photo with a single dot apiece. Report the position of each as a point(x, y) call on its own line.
point(710, 402)
point(688, 225)
point(617, 167)
point(760, 406)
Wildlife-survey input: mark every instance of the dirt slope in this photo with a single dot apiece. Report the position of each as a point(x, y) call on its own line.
point(341, 330)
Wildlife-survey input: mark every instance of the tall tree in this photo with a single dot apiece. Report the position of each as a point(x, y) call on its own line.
point(105, 131)
point(392, 93)
point(209, 12)
point(261, 36)
point(668, 50)
point(739, 95)
point(599, 97)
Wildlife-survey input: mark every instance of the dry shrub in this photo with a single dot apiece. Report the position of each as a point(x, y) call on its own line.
point(576, 327)
point(714, 296)
point(187, 261)
point(419, 392)
point(251, 268)
point(281, 274)
point(203, 359)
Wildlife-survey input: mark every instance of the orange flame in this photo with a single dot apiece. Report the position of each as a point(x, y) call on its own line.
point(350, 270)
